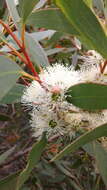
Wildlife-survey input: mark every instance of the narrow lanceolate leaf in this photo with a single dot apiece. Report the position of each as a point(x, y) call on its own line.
point(85, 22)
point(88, 96)
point(53, 19)
point(54, 51)
point(9, 183)
point(82, 140)
point(42, 35)
point(33, 158)
point(9, 73)
point(26, 8)
point(36, 52)
point(5, 155)
point(13, 95)
point(13, 12)
point(101, 159)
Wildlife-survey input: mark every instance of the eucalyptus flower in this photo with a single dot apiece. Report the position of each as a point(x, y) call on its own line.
point(50, 110)
point(91, 58)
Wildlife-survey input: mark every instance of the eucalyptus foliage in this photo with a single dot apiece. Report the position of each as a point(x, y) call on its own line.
point(29, 53)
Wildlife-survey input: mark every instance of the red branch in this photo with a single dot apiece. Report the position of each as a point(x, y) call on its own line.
point(29, 64)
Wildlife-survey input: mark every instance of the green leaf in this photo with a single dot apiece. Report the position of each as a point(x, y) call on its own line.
point(85, 22)
point(82, 140)
point(8, 40)
point(53, 40)
point(42, 35)
point(36, 52)
point(26, 8)
point(13, 12)
point(54, 51)
point(5, 155)
point(9, 183)
point(9, 73)
point(89, 96)
point(88, 3)
point(33, 158)
point(13, 95)
point(101, 160)
point(89, 148)
point(53, 19)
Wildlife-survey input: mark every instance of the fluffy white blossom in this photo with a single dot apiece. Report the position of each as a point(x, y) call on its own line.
point(48, 113)
point(51, 112)
point(90, 69)
point(91, 58)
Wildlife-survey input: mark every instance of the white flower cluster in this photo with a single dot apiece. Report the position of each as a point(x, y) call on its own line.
point(51, 112)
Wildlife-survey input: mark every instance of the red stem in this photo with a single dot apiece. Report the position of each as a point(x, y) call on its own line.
point(25, 82)
point(11, 33)
point(30, 65)
point(21, 46)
